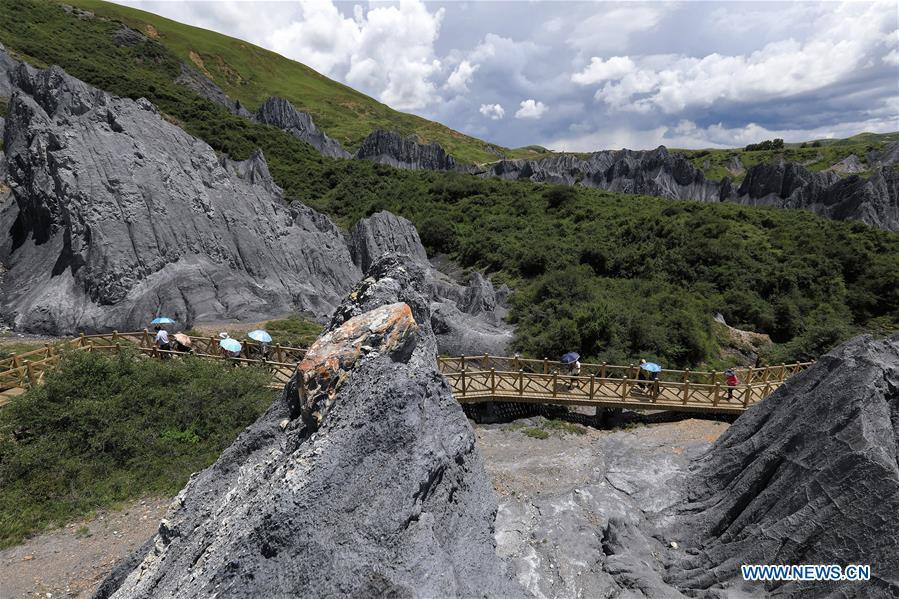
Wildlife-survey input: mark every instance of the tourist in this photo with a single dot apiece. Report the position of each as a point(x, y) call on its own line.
point(574, 370)
point(641, 375)
point(732, 381)
point(162, 340)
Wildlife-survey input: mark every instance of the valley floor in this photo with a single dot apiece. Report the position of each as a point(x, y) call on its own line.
point(550, 478)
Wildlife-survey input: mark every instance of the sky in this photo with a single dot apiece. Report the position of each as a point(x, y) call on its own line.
point(583, 76)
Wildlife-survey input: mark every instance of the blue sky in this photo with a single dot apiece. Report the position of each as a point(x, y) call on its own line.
point(594, 75)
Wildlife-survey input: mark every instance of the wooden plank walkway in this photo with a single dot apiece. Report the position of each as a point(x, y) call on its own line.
point(473, 379)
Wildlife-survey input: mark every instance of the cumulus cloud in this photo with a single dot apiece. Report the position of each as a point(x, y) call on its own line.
point(603, 70)
point(531, 109)
point(458, 80)
point(779, 69)
point(892, 58)
point(493, 112)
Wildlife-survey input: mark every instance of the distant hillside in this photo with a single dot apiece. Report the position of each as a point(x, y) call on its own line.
point(815, 155)
point(251, 74)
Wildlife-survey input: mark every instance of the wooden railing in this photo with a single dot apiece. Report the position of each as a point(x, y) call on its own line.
point(27, 369)
point(472, 379)
point(476, 379)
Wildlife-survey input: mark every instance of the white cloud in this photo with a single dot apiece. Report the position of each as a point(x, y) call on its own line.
point(892, 58)
point(785, 68)
point(322, 39)
point(531, 109)
point(493, 112)
point(458, 80)
point(603, 70)
point(612, 29)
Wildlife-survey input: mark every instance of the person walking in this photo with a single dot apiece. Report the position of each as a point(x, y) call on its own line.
point(732, 381)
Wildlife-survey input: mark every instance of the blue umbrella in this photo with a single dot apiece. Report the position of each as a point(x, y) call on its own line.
point(162, 320)
point(651, 367)
point(260, 336)
point(570, 357)
point(230, 344)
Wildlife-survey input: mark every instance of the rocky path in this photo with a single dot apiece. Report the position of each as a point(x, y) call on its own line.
point(71, 561)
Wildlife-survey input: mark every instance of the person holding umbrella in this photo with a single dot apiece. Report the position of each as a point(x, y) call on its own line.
point(263, 338)
point(183, 343)
point(730, 377)
point(572, 359)
point(230, 348)
point(162, 335)
point(649, 371)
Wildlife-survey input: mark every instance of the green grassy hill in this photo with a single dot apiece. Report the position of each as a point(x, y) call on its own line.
point(613, 276)
point(251, 74)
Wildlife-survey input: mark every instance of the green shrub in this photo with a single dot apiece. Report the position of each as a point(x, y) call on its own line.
point(294, 331)
point(104, 429)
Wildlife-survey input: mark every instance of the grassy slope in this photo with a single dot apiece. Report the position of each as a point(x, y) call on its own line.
point(251, 74)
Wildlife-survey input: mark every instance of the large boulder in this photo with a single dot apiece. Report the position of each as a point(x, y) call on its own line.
point(385, 495)
point(809, 476)
point(122, 215)
point(383, 233)
point(280, 113)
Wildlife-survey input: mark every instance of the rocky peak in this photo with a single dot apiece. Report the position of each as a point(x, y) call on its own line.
point(205, 87)
point(280, 113)
point(393, 451)
point(392, 149)
point(381, 233)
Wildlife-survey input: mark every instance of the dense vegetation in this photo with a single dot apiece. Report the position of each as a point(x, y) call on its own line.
point(612, 276)
point(768, 144)
point(104, 429)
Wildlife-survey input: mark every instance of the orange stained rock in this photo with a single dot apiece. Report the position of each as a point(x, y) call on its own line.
point(332, 357)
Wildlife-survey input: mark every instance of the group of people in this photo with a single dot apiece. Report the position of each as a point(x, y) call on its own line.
point(181, 343)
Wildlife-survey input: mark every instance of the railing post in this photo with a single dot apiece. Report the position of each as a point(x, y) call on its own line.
point(592, 386)
point(602, 371)
point(631, 373)
point(82, 340)
point(545, 365)
point(717, 394)
point(145, 339)
point(765, 374)
point(90, 346)
point(686, 391)
point(115, 335)
point(686, 376)
point(783, 370)
point(555, 381)
point(462, 363)
point(749, 374)
point(463, 382)
point(624, 389)
point(714, 377)
point(493, 382)
point(520, 382)
point(28, 368)
point(486, 362)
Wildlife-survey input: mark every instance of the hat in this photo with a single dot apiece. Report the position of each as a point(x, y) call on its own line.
point(642, 361)
point(223, 335)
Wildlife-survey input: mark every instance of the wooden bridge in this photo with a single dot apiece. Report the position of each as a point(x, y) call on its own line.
point(473, 379)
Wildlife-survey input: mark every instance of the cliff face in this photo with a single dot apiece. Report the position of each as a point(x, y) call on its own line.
point(809, 476)
point(367, 484)
point(281, 114)
point(121, 214)
point(874, 201)
point(392, 149)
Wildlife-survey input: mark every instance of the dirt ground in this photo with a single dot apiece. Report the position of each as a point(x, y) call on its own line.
point(72, 561)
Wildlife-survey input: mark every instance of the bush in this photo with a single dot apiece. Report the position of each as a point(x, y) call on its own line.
point(105, 429)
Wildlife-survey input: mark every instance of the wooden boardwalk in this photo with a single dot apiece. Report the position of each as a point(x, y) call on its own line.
point(473, 379)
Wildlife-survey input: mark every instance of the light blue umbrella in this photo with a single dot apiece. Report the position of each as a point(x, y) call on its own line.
point(230, 344)
point(651, 367)
point(260, 336)
point(162, 320)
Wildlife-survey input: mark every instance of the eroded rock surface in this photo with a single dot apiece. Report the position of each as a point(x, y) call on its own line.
point(280, 113)
point(388, 497)
point(809, 476)
point(122, 214)
point(392, 149)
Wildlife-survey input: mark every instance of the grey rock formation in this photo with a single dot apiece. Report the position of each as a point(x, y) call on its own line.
point(873, 200)
point(122, 216)
point(467, 318)
point(383, 233)
point(281, 114)
point(809, 476)
point(656, 172)
point(388, 497)
point(392, 149)
point(203, 86)
point(7, 65)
